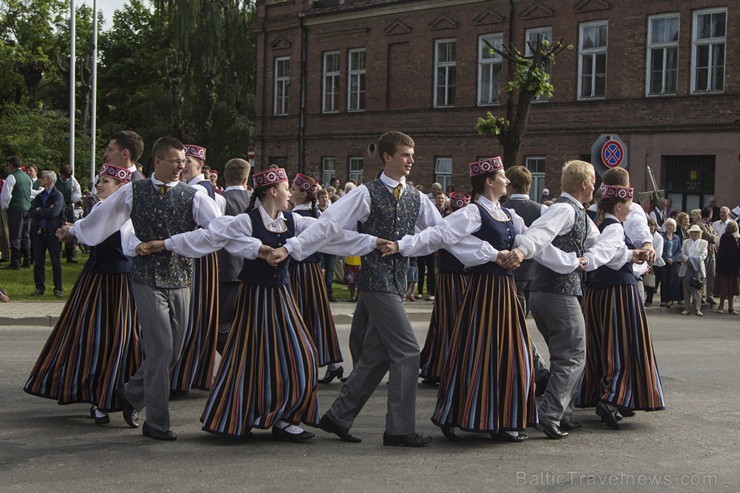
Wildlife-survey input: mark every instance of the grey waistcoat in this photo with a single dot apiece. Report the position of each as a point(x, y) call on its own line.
point(529, 210)
point(230, 266)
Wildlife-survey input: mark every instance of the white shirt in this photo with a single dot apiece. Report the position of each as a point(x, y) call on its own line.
point(7, 192)
point(128, 236)
point(636, 226)
point(344, 214)
point(658, 245)
point(612, 240)
point(114, 211)
point(76, 190)
point(720, 227)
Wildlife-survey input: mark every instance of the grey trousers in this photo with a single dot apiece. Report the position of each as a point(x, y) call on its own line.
point(522, 293)
point(389, 344)
point(560, 321)
point(710, 266)
point(163, 315)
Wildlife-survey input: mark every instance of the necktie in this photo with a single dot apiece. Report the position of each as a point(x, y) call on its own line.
point(163, 189)
point(397, 191)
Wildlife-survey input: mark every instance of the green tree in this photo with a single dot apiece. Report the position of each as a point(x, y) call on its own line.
point(531, 79)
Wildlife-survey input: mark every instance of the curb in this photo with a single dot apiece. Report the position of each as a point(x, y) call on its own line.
point(46, 321)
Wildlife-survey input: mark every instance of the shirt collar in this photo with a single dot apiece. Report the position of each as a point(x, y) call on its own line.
point(391, 182)
point(132, 169)
point(570, 197)
point(610, 216)
point(487, 203)
point(519, 196)
point(267, 220)
point(158, 183)
point(197, 179)
point(302, 207)
point(235, 187)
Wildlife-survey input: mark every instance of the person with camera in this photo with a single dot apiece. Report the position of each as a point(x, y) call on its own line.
point(693, 271)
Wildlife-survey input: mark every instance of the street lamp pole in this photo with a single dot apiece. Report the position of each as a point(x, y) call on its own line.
point(94, 105)
point(72, 79)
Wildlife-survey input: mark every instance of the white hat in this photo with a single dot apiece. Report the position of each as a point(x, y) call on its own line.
point(695, 229)
point(546, 191)
point(736, 211)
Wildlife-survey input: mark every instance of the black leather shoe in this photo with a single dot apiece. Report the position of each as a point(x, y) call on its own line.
point(332, 374)
point(449, 433)
point(38, 292)
point(330, 426)
point(541, 385)
point(102, 420)
point(150, 432)
point(607, 416)
point(412, 440)
point(130, 415)
point(433, 381)
point(568, 425)
point(92, 412)
point(625, 411)
point(285, 436)
point(506, 437)
point(552, 430)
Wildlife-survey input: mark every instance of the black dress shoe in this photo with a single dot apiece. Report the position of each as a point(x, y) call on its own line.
point(506, 437)
point(449, 433)
point(102, 420)
point(150, 432)
point(285, 436)
point(607, 416)
point(433, 381)
point(552, 430)
point(625, 411)
point(332, 374)
point(541, 385)
point(130, 415)
point(412, 440)
point(569, 425)
point(330, 426)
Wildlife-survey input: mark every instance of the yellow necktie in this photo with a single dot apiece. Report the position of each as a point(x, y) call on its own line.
point(397, 191)
point(163, 189)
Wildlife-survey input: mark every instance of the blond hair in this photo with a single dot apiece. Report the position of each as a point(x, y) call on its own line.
point(574, 173)
point(236, 170)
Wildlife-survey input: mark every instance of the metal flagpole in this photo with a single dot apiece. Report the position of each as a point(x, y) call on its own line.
point(72, 79)
point(94, 105)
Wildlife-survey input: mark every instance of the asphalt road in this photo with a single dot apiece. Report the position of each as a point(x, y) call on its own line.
point(692, 446)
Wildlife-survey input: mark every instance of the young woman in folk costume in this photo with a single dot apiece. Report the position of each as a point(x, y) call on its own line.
point(268, 371)
point(621, 374)
point(198, 357)
point(452, 279)
point(309, 290)
point(94, 346)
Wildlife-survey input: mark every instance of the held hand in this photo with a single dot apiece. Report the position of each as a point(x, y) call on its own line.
point(387, 247)
point(501, 257)
point(513, 259)
point(265, 252)
point(154, 246)
point(277, 256)
point(64, 235)
point(650, 253)
point(638, 256)
point(582, 263)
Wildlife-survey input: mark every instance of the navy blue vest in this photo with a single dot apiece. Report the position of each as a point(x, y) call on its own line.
point(207, 185)
point(605, 276)
point(316, 257)
point(449, 263)
point(258, 272)
point(500, 234)
point(107, 257)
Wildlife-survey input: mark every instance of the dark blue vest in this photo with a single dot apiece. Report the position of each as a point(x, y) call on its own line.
point(605, 276)
point(316, 257)
point(500, 234)
point(108, 257)
point(449, 263)
point(258, 272)
point(207, 185)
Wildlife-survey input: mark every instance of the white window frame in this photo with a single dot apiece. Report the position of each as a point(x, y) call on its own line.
point(530, 35)
point(443, 171)
point(591, 56)
point(281, 87)
point(490, 66)
point(538, 177)
point(355, 166)
point(330, 88)
point(713, 43)
point(356, 82)
point(449, 68)
point(665, 47)
point(328, 170)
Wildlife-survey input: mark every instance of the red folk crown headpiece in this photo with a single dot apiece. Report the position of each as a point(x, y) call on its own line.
point(120, 174)
point(486, 166)
point(195, 151)
point(269, 177)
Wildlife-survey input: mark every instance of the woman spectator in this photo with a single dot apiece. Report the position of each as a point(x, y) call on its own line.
point(671, 290)
point(656, 266)
point(682, 220)
point(728, 266)
point(693, 255)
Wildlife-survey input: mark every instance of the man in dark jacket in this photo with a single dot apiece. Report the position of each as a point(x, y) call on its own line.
point(47, 215)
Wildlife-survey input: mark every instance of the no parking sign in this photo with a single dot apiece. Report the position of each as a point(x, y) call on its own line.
point(607, 152)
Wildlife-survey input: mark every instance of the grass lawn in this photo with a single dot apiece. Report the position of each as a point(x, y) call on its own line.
point(18, 284)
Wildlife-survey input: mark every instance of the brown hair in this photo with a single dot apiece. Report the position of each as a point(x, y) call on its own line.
point(165, 144)
point(236, 170)
point(389, 143)
point(520, 178)
point(131, 141)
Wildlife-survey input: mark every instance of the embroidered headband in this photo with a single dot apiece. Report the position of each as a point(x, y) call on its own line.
point(611, 191)
point(195, 151)
point(269, 177)
point(458, 200)
point(303, 182)
point(116, 173)
point(486, 166)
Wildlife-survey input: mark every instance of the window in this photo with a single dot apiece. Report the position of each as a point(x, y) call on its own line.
point(356, 80)
point(355, 169)
point(708, 60)
point(536, 166)
point(445, 64)
point(282, 82)
point(331, 82)
point(545, 33)
point(662, 60)
point(489, 69)
point(592, 60)
point(443, 172)
point(689, 180)
point(328, 169)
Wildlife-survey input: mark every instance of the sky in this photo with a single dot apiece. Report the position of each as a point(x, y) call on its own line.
point(108, 7)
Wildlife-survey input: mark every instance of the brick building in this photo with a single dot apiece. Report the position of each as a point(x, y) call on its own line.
point(664, 76)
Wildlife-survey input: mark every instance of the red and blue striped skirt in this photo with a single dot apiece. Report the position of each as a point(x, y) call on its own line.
point(620, 362)
point(198, 357)
point(268, 370)
point(487, 382)
point(94, 346)
point(449, 295)
point(309, 291)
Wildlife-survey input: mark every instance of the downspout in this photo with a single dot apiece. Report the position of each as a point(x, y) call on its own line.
point(510, 63)
point(302, 116)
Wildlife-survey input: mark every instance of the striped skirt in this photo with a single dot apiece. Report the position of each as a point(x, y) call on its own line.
point(94, 346)
point(487, 382)
point(449, 295)
point(268, 369)
point(620, 362)
point(198, 357)
point(309, 291)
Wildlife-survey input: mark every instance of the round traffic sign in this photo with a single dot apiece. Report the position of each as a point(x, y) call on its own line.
point(612, 153)
point(251, 152)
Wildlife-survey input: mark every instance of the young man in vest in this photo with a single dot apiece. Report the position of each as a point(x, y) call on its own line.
point(381, 339)
point(159, 207)
point(16, 199)
point(72, 193)
point(124, 149)
point(47, 215)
